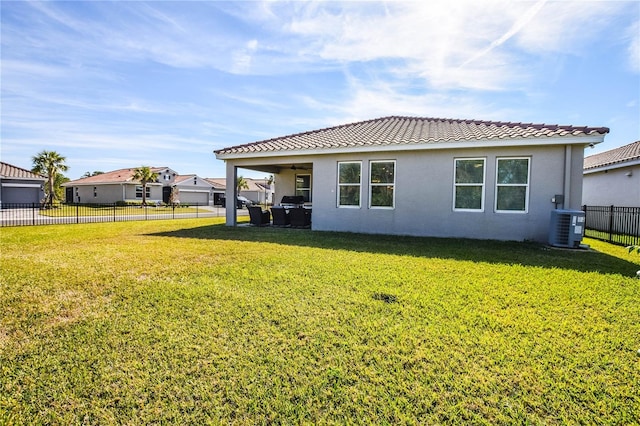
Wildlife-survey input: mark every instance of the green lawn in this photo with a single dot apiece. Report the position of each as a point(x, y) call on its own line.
point(192, 322)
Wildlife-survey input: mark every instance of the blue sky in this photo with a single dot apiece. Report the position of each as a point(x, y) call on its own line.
point(122, 84)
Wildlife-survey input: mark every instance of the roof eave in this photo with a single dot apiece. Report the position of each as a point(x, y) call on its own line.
point(467, 144)
point(613, 166)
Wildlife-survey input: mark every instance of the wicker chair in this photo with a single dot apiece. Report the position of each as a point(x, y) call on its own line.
point(258, 217)
point(280, 216)
point(300, 217)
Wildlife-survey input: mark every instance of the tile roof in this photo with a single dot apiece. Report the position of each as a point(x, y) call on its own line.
point(396, 130)
point(218, 183)
point(9, 171)
point(618, 155)
point(115, 176)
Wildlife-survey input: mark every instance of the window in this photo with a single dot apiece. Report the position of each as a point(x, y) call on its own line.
point(469, 184)
point(95, 192)
point(349, 183)
point(382, 181)
point(139, 191)
point(512, 185)
point(303, 187)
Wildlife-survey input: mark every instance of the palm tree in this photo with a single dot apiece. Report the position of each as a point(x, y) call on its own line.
point(49, 164)
point(144, 175)
point(241, 183)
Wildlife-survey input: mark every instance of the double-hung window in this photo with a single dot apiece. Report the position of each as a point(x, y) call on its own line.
point(349, 183)
point(512, 185)
point(469, 184)
point(382, 183)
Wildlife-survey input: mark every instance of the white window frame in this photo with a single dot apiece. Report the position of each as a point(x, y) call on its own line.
point(483, 185)
point(359, 184)
point(371, 185)
point(527, 186)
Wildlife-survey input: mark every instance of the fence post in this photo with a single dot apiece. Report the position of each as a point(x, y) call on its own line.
point(611, 223)
point(114, 211)
point(33, 213)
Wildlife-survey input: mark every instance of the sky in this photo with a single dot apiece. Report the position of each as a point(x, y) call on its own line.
point(118, 84)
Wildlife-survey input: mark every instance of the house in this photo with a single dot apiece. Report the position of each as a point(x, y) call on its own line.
point(425, 176)
point(119, 185)
point(259, 190)
point(21, 186)
point(612, 178)
point(192, 189)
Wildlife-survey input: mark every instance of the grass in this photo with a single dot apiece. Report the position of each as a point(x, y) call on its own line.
point(192, 322)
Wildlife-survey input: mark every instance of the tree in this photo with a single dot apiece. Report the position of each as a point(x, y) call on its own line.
point(144, 175)
point(89, 174)
point(241, 183)
point(51, 165)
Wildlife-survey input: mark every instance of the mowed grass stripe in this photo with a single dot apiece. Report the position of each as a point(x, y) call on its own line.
point(192, 322)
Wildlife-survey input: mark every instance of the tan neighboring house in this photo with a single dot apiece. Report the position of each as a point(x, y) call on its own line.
point(119, 185)
point(219, 186)
point(612, 178)
point(19, 186)
point(425, 176)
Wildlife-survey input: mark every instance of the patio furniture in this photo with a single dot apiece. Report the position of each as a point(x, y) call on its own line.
point(280, 216)
point(300, 217)
point(290, 201)
point(258, 217)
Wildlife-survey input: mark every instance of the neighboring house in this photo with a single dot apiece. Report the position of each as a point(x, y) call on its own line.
point(425, 176)
point(119, 185)
point(259, 190)
point(192, 189)
point(18, 185)
point(219, 188)
point(612, 178)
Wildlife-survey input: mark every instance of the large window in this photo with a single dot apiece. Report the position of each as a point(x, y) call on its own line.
point(469, 184)
point(303, 187)
point(349, 183)
point(139, 191)
point(382, 182)
point(512, 185)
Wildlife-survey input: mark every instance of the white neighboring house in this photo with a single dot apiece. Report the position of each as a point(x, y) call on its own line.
point(20, 186)
point(192, 189)
point(425, 176)
point(612, 178)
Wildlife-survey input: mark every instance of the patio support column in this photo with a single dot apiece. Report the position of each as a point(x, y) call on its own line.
point(230, 195)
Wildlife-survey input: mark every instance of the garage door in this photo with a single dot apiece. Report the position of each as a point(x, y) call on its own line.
point(11, 195)
point(195, 197)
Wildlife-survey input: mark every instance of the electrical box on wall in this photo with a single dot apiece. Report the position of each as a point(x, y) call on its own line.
point(566, 228)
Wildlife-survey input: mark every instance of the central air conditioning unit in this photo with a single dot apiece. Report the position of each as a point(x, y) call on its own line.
point(567, 228)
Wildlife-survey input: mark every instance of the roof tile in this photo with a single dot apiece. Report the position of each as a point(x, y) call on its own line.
point(397, 130)
point(618, 155)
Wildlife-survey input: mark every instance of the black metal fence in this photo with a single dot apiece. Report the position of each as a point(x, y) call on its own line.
point(43, 214)
point(618, 225)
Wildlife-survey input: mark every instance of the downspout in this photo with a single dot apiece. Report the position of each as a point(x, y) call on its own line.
point(567, 177)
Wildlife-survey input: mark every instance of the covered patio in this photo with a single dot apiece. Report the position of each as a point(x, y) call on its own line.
point(293, 183)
